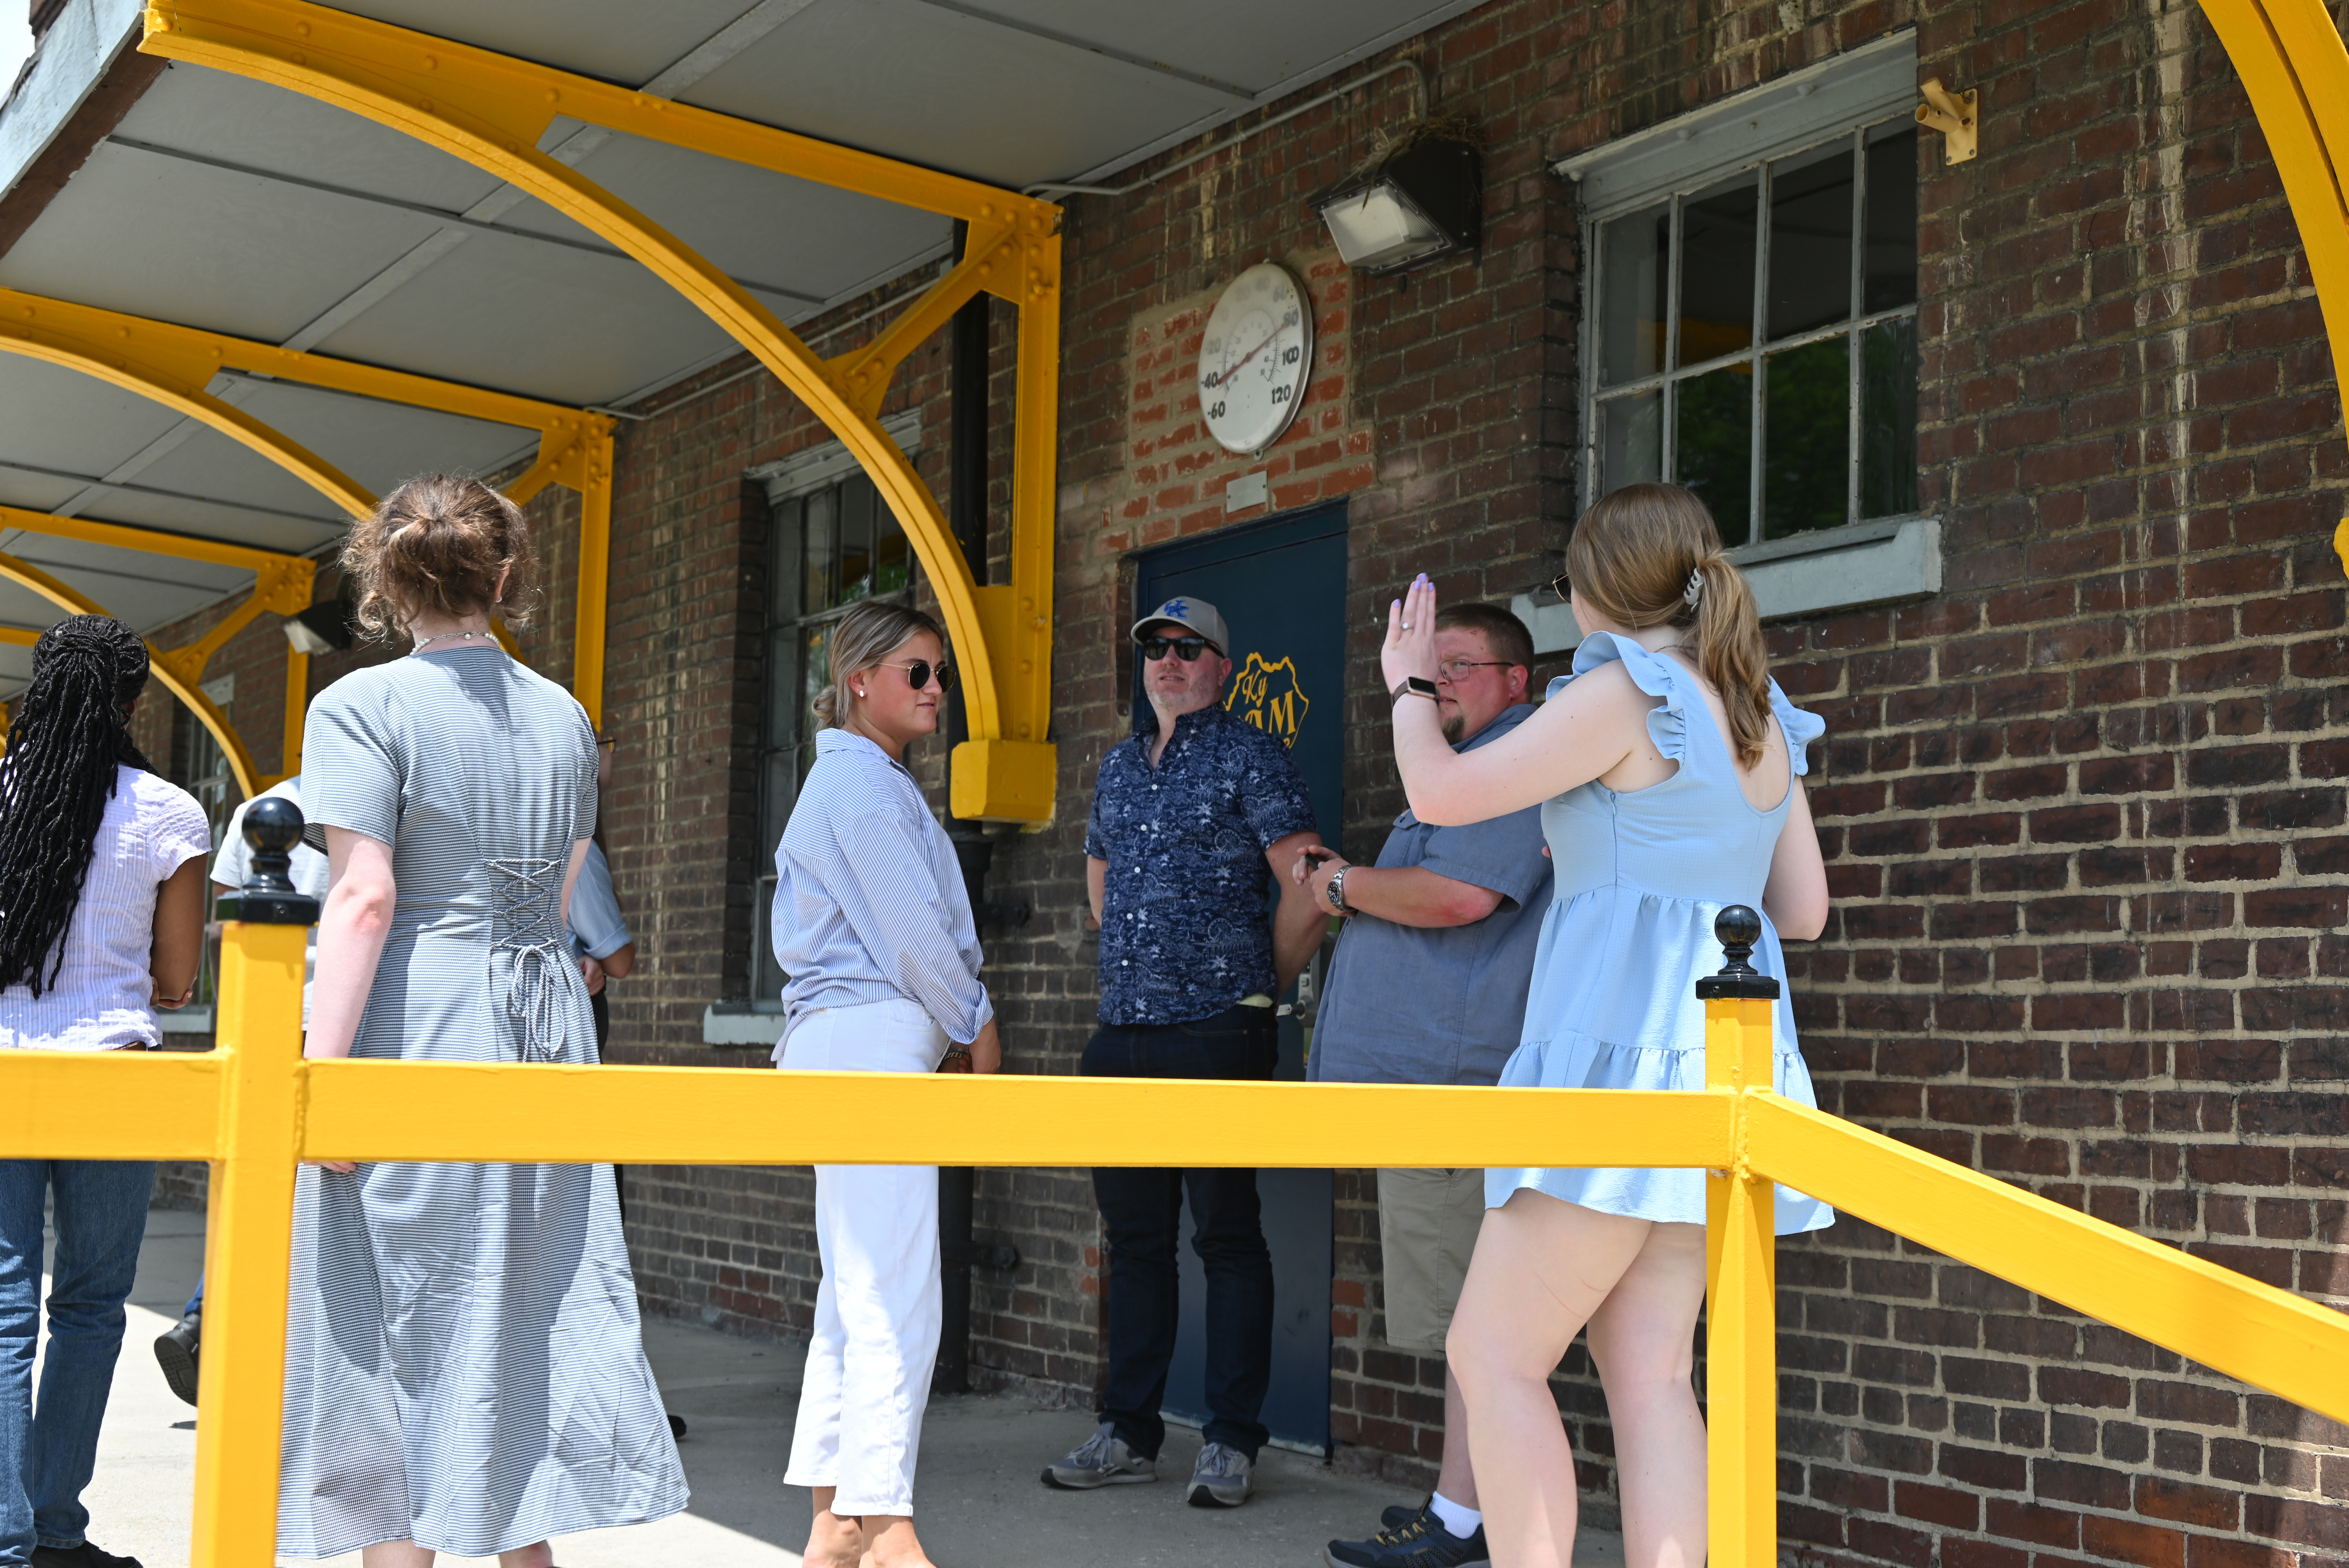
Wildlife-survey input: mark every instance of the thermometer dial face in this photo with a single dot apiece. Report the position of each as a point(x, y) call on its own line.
point(1255, 358)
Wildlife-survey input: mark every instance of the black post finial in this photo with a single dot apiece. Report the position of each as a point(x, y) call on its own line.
point(272, 827)
point(1739, 928)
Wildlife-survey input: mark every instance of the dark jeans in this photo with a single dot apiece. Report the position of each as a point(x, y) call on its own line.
point(48, 1449)
point(1142, 1209)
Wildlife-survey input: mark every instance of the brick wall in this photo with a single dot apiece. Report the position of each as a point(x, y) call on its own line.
point(2085, 819)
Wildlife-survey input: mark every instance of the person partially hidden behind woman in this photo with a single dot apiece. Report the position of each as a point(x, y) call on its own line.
point(465, 1371)
point(1669, 764)
point(102, 886)
point(873, 927)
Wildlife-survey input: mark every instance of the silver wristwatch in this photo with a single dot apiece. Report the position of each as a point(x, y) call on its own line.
point(1338, 890)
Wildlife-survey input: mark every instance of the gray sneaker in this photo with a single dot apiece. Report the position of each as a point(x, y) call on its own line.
point(1221, 1478)
point(1101, 1460)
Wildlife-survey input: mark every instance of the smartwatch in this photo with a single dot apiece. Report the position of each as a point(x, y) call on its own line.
point(1414, 685)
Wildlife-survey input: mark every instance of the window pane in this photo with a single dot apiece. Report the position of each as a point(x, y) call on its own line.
point(782, 789)
point(1632, 254)
point(819, 552)
point(1806, 438)
point(783, 686)
point(1890, 279)
point(1810, 243)
point(1887, 418)
point(858, 497)
point(1717, 233)
point(1630, 440)
point(815, 672)
point(892, 559)
point(1715, 446)
point(783, 559)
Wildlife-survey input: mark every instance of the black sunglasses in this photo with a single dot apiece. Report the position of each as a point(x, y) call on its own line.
point(1188, 649)
point(1561, 587)
point(919, 673)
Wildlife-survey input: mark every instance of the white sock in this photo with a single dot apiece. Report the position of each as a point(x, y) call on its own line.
point(1461, 1521)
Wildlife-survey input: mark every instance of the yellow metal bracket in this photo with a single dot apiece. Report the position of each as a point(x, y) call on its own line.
point(2295, 69)
point(492, 110)
point(1953, 115)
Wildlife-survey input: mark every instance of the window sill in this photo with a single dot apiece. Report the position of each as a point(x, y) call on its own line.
point(734, 1024)
point(1851, 568)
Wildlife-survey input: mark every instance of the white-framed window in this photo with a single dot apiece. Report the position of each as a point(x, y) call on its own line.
point(1750, 325)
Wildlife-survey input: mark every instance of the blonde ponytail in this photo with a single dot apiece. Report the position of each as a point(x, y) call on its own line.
point(1729, 650)
point(1649, 555)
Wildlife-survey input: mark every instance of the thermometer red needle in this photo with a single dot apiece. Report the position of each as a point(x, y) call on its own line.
point(1232, 370)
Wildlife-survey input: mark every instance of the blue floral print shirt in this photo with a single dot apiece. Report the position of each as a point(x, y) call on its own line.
point(1184, 929)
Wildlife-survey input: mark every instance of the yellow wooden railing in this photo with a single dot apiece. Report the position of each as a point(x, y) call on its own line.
point(255, 1107)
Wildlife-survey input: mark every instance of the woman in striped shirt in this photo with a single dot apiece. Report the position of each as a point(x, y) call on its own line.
point(102, 886)
point(873, 927)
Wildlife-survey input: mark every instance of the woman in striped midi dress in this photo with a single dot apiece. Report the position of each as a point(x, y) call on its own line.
point(465, 1371)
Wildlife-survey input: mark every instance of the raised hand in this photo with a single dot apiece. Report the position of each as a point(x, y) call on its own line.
point(1410, 648)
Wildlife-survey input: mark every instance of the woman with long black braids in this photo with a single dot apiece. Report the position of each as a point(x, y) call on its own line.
point(101, 922)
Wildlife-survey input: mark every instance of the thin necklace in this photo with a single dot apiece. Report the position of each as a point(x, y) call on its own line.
point(443, 637)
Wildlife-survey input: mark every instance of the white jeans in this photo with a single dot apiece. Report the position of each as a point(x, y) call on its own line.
point(877, 1310)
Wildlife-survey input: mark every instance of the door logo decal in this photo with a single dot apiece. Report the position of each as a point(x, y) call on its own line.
point(1270, 696)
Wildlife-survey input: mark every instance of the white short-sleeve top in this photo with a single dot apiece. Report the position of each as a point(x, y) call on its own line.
point(103, 998)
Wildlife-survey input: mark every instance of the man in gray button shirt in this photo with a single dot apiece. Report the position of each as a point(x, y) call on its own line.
point(1429, 986)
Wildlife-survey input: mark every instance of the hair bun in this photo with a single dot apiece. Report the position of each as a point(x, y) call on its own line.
point(439, 545)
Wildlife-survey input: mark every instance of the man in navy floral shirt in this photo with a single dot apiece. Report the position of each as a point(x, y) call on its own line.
point(1194, 818)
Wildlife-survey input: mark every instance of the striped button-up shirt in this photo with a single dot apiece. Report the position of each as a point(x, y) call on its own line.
point(869, 900)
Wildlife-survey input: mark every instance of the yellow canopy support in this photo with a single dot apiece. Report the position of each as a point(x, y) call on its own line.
point(492, 110)
point(174, 365)
point(249, 779)
point(2295, 70)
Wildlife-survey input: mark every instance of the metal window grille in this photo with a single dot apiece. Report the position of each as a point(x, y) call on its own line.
point(1748, 409)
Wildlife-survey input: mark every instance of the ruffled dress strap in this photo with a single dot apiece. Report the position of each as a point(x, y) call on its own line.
point(1801, 726)
point(1654, 674)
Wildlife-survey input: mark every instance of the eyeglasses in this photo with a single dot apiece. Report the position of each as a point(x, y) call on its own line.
point(1188, 649)
point(1457, 669)
point(919, 673)
point(1561, 587)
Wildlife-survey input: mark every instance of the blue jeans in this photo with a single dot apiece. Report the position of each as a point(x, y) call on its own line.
point(47, 1451)
point(1142, 1211)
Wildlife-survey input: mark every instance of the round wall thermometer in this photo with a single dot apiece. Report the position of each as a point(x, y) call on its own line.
point(1255, 358)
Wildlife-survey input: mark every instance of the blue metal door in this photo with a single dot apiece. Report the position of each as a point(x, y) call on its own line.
point(1281, 586)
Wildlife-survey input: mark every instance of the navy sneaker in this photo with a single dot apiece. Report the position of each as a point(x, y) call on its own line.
point(1418, 1542)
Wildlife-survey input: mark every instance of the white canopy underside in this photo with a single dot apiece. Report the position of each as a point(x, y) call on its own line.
point(225, 204)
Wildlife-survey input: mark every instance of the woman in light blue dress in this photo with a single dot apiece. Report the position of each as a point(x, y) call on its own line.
point(1668, 767)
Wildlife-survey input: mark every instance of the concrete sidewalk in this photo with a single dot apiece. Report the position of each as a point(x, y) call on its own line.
point(982, 1505)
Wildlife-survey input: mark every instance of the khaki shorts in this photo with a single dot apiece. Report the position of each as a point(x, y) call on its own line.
point(1427, 1228)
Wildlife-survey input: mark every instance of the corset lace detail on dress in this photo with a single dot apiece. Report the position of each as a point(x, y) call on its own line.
point(526, 925)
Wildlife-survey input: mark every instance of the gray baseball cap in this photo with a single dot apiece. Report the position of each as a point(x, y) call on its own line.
point(1196, 614)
